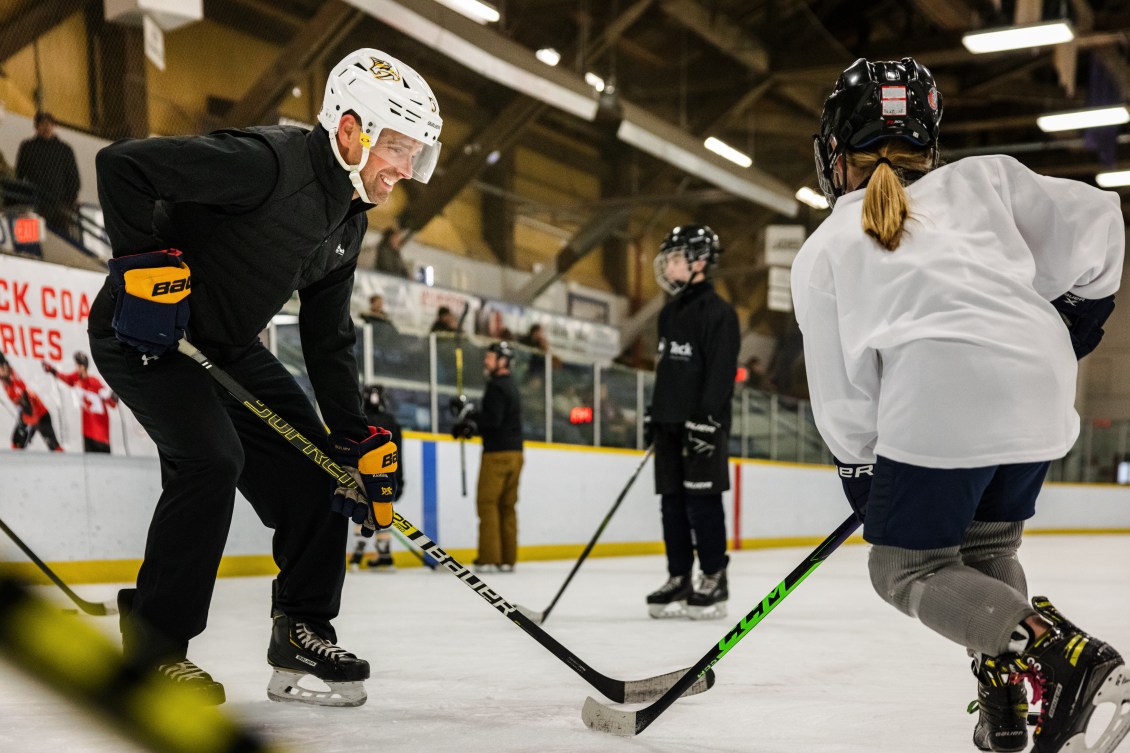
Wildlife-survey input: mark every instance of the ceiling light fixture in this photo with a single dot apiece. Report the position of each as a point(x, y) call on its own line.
point(722, 149)
point(485, 52)
point(1018, 37)
point(1090, 118)
point(594, 81)
point(676, 147)
point(473, 9)
point(548, 55)
point(812, 198)
point(1113, 179)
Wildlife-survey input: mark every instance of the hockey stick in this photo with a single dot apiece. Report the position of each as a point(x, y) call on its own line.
point(99, 609)
point(628, 723)
point(541, 617)
point(620, 691)
point(459, 389)
point(425, 561)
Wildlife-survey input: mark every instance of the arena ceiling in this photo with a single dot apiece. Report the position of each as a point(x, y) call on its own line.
point(750, 72)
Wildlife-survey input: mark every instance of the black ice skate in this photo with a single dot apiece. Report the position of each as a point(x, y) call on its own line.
point(195, 680)
point(296, 651)
point(1076, 673)
point(1003, 721)
point(383, 561)
point(708, 601)
point(670, 600)
point(357, 558)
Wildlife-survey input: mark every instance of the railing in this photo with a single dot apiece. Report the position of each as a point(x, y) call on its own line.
point(602, 406)
point(571, 403)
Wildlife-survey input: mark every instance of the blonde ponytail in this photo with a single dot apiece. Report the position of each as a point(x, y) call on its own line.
point(886, 207)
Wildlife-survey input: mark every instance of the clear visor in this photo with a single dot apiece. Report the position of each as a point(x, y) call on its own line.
point(659, 265)
point(406, 154)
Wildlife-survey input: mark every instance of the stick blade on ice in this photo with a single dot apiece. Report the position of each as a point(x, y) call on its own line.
point(645, 691)
point(604, 719)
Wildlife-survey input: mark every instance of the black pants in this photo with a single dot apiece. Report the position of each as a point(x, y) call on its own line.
point(23, 433)
point(93, 445)
point(209, 445)
point(690, 520)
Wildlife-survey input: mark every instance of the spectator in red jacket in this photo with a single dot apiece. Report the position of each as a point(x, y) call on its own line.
point(97, 399)
point(33, 415)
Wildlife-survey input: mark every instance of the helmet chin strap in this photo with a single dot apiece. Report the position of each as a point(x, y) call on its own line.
point(354, 170)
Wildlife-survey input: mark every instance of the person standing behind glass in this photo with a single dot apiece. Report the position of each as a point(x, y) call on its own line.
point(499, 421)
point(48, 163)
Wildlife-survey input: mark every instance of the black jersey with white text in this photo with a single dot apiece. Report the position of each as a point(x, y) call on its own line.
point(698, 357)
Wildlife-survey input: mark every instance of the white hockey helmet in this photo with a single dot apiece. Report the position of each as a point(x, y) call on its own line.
point(384, 93)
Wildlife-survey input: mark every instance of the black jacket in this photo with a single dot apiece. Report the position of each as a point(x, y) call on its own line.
point(698, 358)
point(49, 164)
point(500, 418)
point(258, 214)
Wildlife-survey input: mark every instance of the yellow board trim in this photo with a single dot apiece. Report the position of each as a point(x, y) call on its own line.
point(239, 566)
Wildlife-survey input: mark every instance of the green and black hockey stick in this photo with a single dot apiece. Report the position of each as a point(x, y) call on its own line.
point(628, 723)
point(541, 617)
point(620, 691)
point(95, 608)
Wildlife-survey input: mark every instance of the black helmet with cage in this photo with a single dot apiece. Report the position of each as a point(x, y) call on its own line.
point(374, 396)
point(502, 349)
point(695, 243)
point(872, 102)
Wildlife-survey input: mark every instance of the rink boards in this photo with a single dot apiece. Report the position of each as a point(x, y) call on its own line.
point(88, 514)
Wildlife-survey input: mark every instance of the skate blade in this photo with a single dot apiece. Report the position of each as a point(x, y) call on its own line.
point(674, 610)
point(712, 612)
point(285, 687)
point(1114, 689)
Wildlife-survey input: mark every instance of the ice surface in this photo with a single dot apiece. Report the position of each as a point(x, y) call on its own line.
point(833, 669)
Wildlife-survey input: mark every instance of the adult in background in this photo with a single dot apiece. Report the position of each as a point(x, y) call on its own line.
point(933, 302)
point(288, 215)
point(689, 423)
point(97, 400)
point(499, 422)
point(48, 163)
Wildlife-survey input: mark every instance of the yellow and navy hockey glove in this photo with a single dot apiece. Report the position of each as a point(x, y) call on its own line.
point(150, 294)
point(372, 463)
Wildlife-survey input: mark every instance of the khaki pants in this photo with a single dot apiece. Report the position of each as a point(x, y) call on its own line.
point(497, 499)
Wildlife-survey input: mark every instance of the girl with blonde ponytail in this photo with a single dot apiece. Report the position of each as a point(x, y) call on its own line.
point(932, 302)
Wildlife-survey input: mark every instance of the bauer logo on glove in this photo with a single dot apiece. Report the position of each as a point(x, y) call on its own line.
point(150, 293)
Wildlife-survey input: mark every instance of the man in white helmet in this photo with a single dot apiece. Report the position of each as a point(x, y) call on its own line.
point(256, 215)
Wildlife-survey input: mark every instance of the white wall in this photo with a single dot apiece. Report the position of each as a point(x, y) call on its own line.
point(73, 507)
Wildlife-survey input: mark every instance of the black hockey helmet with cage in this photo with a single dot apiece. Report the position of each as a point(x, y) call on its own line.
point(502, 349)
point(872, 102)
point(695, 242)
point(374, 395)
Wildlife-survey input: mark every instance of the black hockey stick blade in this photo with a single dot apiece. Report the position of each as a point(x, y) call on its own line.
point(620, 691)
point(98, 609)
point(628, 723)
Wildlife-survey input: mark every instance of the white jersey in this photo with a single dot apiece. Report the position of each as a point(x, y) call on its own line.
point(946, 352)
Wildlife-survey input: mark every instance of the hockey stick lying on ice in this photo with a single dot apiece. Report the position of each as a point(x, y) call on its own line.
point(541, 617)
point(620, 691)
point(90, 607)
point(629, 723)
